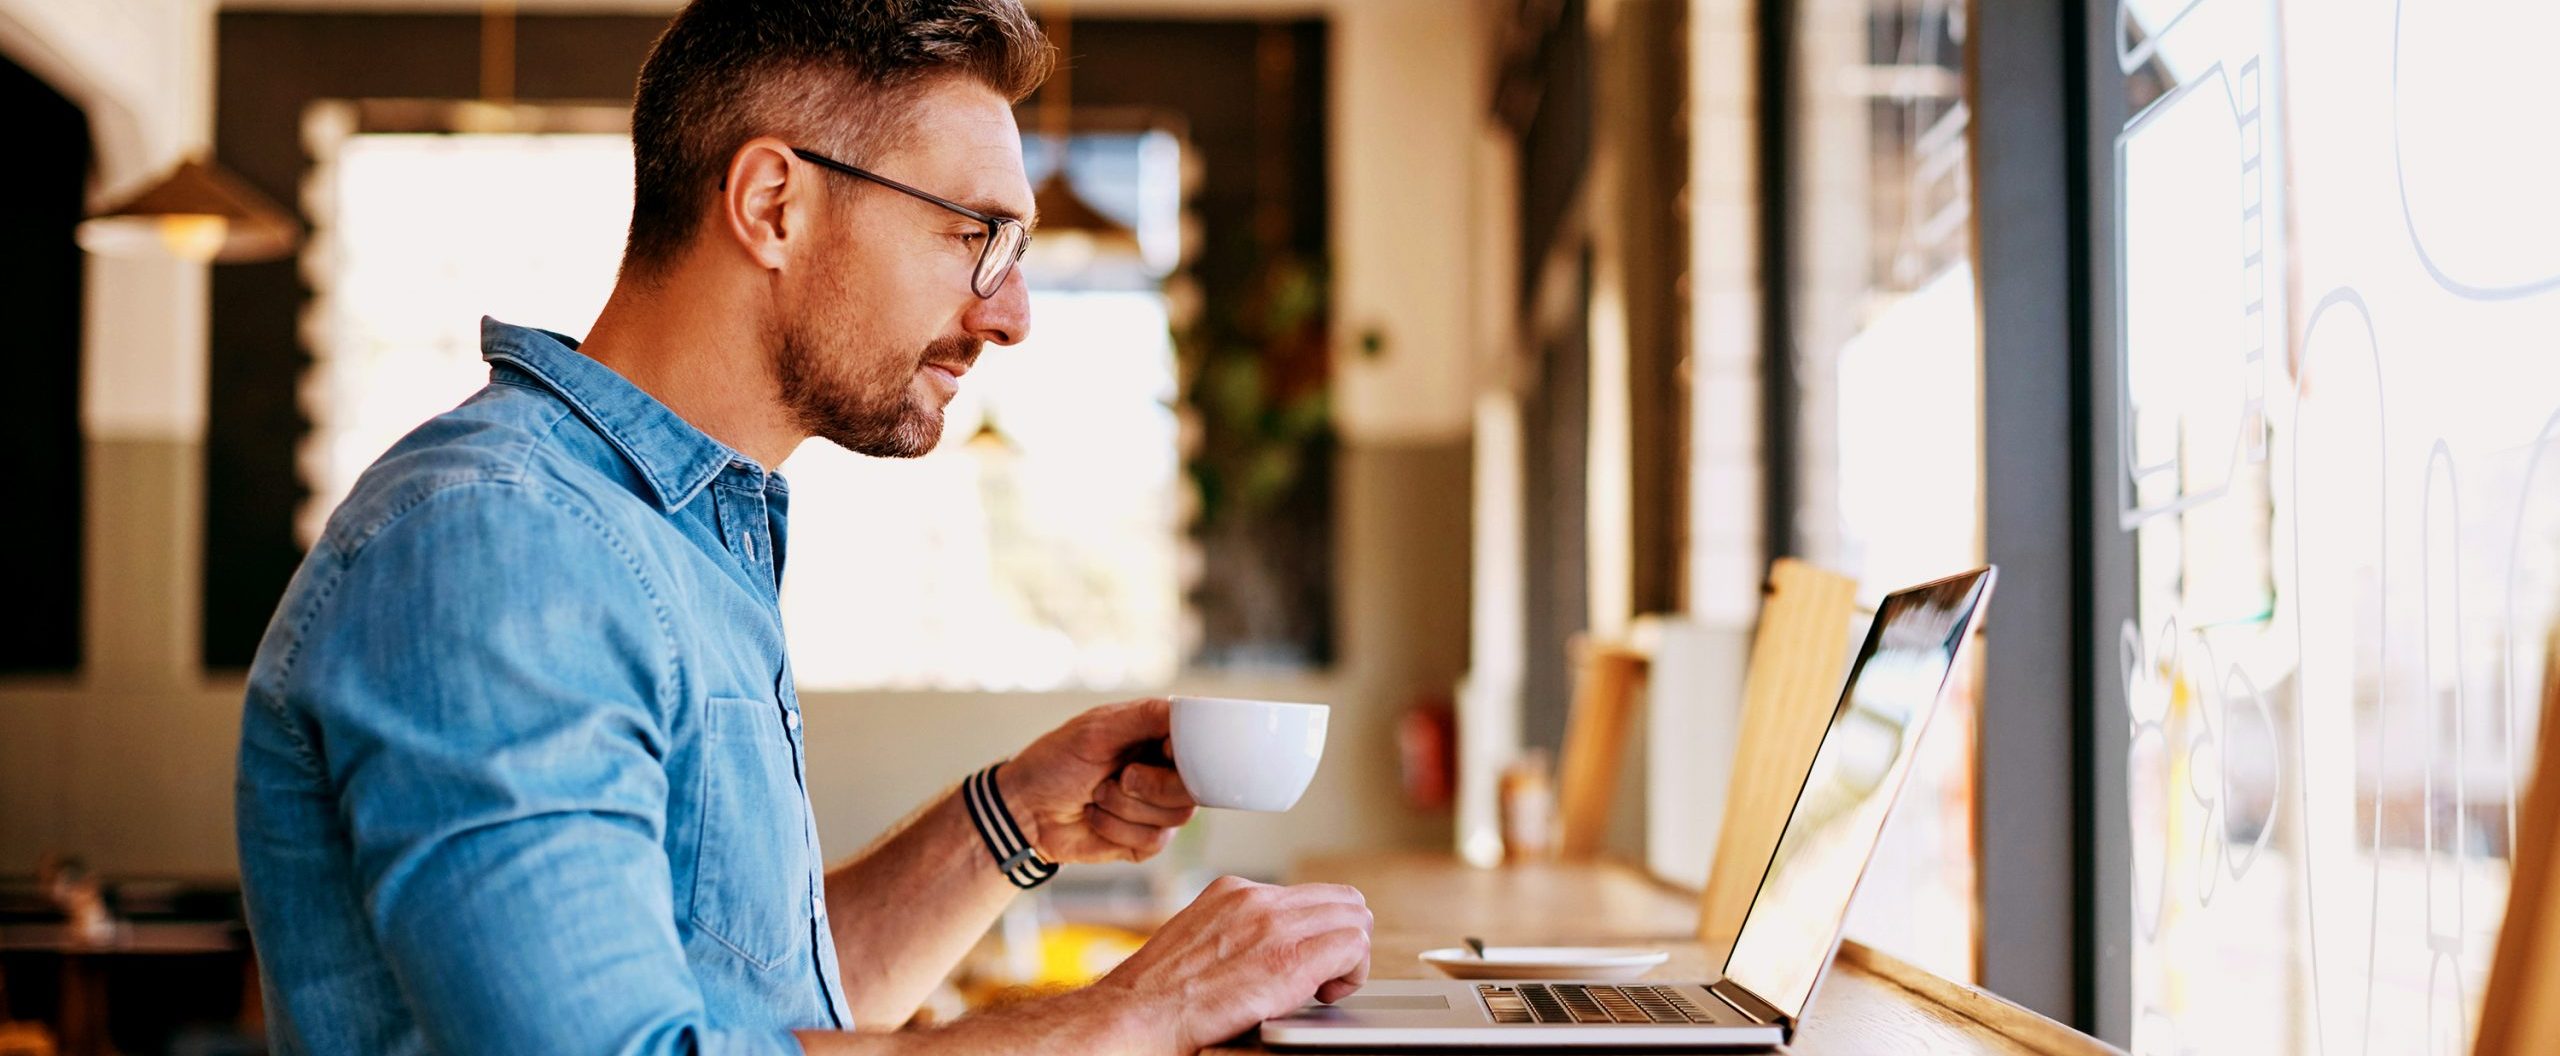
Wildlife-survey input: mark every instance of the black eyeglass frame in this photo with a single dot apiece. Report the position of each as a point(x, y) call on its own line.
point(996, 225)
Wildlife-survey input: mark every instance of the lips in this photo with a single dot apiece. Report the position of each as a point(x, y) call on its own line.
point(945, 361)
point(944, 376)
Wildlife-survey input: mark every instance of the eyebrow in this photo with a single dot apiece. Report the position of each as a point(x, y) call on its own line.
point(992, 207)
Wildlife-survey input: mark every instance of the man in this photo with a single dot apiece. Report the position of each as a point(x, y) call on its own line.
point(521, 764)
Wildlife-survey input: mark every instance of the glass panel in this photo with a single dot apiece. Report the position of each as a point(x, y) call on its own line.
point(2339, 267)
point(1037, 548)
point(1890, 433)
point(402, 270)
point(1034, 549)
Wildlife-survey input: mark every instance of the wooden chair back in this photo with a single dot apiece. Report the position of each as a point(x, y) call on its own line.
point(2521, 1011)
point(1799, 654)
point(1607, 677)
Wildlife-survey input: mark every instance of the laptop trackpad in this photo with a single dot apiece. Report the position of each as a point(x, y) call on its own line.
point(1394, 1003)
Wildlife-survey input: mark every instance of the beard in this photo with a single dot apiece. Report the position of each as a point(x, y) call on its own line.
point(866, 404)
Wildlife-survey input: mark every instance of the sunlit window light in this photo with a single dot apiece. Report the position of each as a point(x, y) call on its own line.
point(1034, 549)
point(418, 237)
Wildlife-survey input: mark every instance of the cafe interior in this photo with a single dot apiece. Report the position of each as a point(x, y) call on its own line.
point(1552, 388)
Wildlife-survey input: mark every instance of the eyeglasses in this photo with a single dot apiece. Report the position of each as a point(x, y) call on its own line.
point(1007, 238)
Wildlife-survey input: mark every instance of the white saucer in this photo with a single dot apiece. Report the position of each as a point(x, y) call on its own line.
point(1544, 962)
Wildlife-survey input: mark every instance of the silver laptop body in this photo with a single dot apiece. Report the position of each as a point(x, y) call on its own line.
point(1793, 927)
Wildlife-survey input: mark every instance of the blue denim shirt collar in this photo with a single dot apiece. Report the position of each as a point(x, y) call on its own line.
point(676, 459)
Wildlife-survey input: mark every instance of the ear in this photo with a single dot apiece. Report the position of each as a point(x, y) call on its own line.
point(767, 199)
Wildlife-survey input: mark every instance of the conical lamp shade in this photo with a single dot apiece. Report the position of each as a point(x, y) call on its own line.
point(198, 212)
point(1063, 212)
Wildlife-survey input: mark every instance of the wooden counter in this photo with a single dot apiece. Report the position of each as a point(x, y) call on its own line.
point(1869, 1003)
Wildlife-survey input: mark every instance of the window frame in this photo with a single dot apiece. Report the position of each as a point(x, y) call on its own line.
point(2043, 517)
point(2055, 865)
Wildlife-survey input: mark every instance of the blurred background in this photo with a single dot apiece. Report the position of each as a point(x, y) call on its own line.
point(1404, 355)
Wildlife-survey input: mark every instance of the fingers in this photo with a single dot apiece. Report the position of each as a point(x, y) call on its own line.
point(1340, 956)
point(1313, 894)
point(1336, 946)
point(1140, 841)
point(1343, 950)
point(1155, 784)
point(1116, 799)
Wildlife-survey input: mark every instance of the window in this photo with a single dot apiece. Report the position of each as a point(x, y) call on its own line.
point(1032, 550)
point(1036, 548)
point(2338, 269)
point(404, 263)
point(1888, 435)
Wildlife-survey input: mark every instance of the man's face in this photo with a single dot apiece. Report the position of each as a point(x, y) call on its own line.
point(878, 325)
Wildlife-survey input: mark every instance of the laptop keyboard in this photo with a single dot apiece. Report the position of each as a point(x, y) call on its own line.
point(1588, 1003)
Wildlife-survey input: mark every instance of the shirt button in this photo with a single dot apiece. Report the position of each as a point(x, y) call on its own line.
point(791, 721)
point(817, 905)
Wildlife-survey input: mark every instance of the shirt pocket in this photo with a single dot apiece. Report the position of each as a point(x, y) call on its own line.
point(751, 871)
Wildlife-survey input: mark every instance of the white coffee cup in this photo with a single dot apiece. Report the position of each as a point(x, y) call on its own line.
point(1246, 754)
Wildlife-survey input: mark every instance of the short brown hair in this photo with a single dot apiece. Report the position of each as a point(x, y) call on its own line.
point(831, 74)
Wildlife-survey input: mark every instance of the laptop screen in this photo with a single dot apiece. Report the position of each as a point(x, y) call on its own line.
point(1795, 918)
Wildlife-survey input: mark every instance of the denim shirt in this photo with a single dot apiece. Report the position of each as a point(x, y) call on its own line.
point(521, 765)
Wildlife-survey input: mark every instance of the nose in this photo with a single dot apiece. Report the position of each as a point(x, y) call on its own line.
point(1004, 319)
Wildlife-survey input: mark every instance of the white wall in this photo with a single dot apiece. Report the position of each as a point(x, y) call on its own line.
point(142, 70)
point(1410, 89)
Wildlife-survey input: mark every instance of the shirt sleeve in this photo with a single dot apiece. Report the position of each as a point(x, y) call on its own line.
point(491, 682)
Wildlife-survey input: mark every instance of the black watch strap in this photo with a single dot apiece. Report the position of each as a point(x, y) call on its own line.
point(1014, 855)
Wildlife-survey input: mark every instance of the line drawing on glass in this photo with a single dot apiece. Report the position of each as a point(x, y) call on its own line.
point(2138, 656)
point(2257, 703)
point(2146, 692)
point(2312, 351)
point(2443, 946)
point(2149, 750)
point(2462, 164)
point(2131, 56)
point(2147, 774)
point(2210, 767)
point(2437, 959)
point(2208, 779)
point(2253, 260)
point(2180, 164)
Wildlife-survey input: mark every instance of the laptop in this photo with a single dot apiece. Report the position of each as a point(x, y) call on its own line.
point(1792, 929)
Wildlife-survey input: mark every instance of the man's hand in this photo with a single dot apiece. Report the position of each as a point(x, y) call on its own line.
point(1096, 789)
point(1244, 952)
point(1241, 953)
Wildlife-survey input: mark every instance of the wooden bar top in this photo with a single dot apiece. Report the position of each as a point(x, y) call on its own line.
point(1869, 1003)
